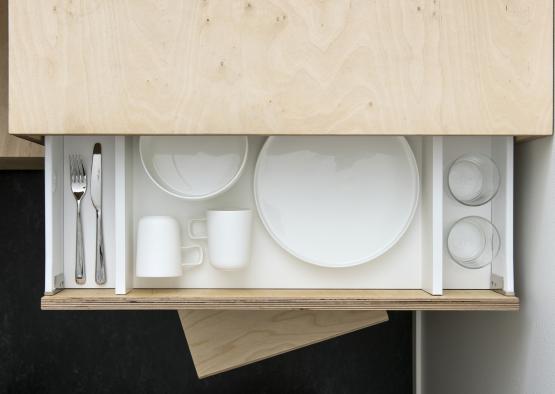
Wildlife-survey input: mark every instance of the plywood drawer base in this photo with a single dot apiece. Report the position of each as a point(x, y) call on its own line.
point(270, 299)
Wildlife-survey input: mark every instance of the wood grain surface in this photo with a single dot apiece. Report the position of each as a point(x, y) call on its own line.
point(15, 153)
point(272, 299)
point(281, 67)
point(223, 340)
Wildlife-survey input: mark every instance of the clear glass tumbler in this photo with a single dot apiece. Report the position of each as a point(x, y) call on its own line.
point(473, 242)
point(473, 179)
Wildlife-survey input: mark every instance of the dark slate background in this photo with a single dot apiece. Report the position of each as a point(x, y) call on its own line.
point(146, 351)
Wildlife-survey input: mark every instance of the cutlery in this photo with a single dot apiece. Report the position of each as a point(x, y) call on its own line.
point(96, 197)
point(78, 180)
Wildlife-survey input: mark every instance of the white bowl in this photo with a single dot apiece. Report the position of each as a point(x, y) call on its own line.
point(193, 167)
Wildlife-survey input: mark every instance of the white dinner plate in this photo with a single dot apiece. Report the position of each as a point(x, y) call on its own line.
point(336, 201)
point(194, 167)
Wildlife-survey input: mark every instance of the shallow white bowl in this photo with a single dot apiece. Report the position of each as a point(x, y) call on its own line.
point(193, 167)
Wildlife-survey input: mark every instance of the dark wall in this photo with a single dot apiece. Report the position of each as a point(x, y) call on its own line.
point(146, 352)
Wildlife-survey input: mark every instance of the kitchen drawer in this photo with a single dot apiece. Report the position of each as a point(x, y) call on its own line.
point(128, 194)
point(281, 67)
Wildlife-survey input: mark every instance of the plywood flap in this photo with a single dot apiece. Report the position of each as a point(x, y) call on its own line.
point(223, 340)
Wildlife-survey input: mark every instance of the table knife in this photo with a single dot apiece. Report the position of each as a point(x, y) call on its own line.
point(96, 197)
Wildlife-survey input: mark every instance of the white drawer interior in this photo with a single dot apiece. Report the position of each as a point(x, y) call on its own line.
point(418, 261)
point(61, 211)
point(499, 211)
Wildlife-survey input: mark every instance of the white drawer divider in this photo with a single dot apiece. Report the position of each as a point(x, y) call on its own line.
point(502, 275)
point(53, 214)
point(432, 213)
point(124, 218)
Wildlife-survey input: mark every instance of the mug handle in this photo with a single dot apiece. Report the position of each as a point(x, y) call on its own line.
point(200, 252)
point(191, 232)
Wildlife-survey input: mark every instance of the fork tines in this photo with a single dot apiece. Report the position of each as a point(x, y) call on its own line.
point(76, 168)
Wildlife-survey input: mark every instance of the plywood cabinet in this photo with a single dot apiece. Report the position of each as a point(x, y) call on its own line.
point(15, 153)
point(281, 67)
point(275, 67)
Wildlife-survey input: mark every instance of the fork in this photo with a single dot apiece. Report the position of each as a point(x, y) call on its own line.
point(78, 180)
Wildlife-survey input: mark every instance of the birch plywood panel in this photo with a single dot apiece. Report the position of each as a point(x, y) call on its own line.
point(281, 67)
point(279, 299)
point(15, 153)
point(223, 340)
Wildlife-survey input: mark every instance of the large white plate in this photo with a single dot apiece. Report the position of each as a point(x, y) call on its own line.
point(336, 201)
point(193, 167)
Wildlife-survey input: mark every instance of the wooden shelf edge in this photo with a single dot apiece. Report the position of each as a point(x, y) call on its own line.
point(268, 299)
point(37, 136)
point(525, 138)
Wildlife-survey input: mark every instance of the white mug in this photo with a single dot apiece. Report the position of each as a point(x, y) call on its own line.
point(159, 248)
point(229, 237)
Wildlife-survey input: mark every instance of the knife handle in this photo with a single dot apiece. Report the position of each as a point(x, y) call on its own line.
point(100, 268)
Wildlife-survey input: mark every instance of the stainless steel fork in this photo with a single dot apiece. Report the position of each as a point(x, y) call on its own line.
point(78, 180)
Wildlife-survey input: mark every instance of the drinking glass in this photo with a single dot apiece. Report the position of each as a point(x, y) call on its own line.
point(473, 179)
point(473, 242)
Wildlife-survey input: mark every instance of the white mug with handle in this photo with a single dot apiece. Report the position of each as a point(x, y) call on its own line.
point(159, 250)
point(229, 237)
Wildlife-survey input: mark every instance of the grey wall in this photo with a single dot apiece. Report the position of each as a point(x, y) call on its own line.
point(506, 352)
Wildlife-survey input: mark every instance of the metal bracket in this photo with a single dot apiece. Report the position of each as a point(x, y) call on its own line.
point(496, 282)
point(58, 284)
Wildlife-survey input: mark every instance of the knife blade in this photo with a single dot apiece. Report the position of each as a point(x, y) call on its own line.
point(96, 197)
point(96, 177)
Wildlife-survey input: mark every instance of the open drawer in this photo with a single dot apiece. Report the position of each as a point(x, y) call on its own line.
point(418, 275)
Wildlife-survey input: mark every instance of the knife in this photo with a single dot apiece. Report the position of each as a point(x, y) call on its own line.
point(96, 197)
